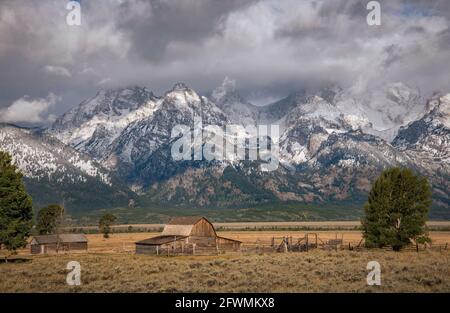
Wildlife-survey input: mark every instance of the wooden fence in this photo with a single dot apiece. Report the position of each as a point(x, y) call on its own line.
point(312, 241)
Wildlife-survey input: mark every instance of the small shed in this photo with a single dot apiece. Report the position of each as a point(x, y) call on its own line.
point(43, 244)
point(187, 235)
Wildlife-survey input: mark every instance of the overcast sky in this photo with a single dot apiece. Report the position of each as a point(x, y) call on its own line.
point(269, 47)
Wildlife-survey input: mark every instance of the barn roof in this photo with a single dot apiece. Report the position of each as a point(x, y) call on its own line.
point(64, 238)
point(225, 238)
point(72, 238)
point(184, 220)
point(159, 240)
point(181, 225)
point(44, 239)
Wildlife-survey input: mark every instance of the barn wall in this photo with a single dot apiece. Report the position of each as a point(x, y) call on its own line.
point(73, 246)
point(202, 241)
point(145, 249)
point(228, 245)
point(203, 229)
point(51, 247)
point(35, 249)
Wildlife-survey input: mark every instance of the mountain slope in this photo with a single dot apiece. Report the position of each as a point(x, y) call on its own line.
point(237, 109)
point(95, 123)
point(56, 173)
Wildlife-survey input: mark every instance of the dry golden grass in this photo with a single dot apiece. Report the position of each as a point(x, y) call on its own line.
point(124, 242)
point(110, 265)
point(314, 271)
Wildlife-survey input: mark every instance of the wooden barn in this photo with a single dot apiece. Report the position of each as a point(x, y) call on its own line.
point(187, 235)
point(58, 243)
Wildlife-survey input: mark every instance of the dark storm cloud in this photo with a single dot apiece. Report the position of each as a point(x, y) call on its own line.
point(443, 39)
point(393, 55)
point(273, 45)
point(164, 22)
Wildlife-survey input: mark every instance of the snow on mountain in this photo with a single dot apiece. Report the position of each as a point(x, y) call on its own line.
point(144, 141)
point(384, 109)
point(238, 110)
point(430, 135)
point(56, 173)
point(39, 156)
point(94, 124)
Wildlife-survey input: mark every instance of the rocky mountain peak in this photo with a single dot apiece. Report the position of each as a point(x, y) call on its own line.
point(402, 94)
point(180, 86)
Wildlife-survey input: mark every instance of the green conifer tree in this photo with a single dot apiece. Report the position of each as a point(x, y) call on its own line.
point(16, 211)
point(397, 209)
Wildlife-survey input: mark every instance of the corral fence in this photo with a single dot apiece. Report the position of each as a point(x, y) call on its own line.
point(311, 241)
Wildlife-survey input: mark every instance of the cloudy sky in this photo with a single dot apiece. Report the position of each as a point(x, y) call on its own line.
point(270, 47)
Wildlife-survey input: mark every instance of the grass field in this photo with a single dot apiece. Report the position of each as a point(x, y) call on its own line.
point(314, 271)
point(110, 265)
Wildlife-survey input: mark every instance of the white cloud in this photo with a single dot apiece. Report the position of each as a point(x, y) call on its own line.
point(57, 70)
point(27, 110)
point(104, 81)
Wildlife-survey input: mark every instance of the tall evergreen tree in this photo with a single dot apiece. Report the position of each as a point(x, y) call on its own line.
point(16, 211)
point(49, 219)
point(397, 209)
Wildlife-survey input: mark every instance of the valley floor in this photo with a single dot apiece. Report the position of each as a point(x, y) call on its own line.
point(314, 271)
point(110, 265)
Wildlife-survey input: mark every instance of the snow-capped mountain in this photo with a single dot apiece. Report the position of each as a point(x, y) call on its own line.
point(39, 156)
point(429, 135)
point(141, 153)
point(385, 109)
point(95, 123)
point(333, 143)
point(56, 172)
point(237, 109)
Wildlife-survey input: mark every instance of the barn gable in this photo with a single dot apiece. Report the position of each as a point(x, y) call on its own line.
point(189, 226)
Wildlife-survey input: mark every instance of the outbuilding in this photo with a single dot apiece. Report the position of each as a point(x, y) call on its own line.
point(43, 244)
point(187, 235)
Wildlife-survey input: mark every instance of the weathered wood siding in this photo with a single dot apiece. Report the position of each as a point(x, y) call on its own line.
point(35, 249)
point(203, 229)
point(145, 249)
point(225, 244)
point(73, 246)
point(53, 247)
